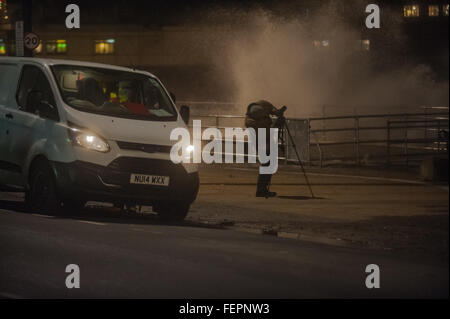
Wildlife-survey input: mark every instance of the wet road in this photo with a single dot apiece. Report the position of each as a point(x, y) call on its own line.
point(135, 257)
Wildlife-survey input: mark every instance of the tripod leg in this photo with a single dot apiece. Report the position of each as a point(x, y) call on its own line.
point(299, 159)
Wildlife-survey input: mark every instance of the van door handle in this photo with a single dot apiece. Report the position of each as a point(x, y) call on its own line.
point(9, 116)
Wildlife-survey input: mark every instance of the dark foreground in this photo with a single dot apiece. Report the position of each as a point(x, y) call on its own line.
point(136, 257)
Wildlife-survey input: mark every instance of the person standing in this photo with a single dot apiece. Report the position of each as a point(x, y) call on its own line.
point(259, 116)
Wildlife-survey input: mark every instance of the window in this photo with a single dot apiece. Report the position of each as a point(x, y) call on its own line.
point(104, 46)
point(56, 47)
point(114, 93)
point(433, 10)
point(364, 44)
point(411, 11)
point(6, 81)
point(321, 44)
point(33, 79)
point(2, 47)
point(445, 10)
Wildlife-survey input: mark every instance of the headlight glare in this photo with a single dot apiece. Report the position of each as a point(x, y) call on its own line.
point(89, 141)
point(190, 149)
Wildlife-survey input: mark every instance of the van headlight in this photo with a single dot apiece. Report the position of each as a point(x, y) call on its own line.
point(188, 153)
point(190, 149)
point(89, 141)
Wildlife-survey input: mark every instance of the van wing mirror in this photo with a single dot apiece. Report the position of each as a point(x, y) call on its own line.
point(185, 113)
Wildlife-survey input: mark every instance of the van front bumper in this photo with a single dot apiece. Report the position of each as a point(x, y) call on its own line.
point(111, 183)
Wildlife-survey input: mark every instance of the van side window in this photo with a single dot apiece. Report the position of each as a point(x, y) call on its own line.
point(33, 79)
point(7, 80)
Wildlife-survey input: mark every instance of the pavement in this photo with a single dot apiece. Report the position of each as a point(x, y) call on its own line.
point(370, 208)
point(236, 246)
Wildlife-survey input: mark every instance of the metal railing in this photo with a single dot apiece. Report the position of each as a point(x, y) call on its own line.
point(379, 132)
point(384, 138)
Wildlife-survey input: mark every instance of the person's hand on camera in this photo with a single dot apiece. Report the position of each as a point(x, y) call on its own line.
point(281, 111)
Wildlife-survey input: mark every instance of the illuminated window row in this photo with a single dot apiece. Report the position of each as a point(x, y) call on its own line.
point(104, 46)
point(413, 10)
point(60, 47)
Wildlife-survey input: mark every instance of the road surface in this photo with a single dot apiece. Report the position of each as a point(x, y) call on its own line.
point(135, 256)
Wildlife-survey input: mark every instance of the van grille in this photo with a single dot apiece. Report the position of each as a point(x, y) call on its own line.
point(147, 148)
point(146, 166)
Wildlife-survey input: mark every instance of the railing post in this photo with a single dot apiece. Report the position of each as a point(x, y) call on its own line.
point(406, 139)
point(309, 141)
point(321, 159)
point(388, 143)
point(439, 135)
point(323, 122)
point(357, 140)
point(286, 144)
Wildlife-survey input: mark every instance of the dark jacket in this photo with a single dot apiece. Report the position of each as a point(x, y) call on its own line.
point(258, 114)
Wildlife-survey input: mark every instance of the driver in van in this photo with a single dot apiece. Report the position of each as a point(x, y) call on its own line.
point(129, 97)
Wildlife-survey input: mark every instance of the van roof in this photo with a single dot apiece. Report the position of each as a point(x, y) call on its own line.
point(50, 62)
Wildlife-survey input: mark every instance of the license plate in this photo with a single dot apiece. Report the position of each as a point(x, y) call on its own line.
point(149, 180)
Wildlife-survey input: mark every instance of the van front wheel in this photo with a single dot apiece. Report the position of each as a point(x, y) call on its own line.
point(171, 211)
point(42, 197)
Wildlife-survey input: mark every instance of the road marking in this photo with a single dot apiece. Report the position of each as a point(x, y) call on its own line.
point(398, 180)
point(92, 223)
point(45, 216)
point(147, 231)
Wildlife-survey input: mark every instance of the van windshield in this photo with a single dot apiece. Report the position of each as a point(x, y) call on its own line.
point(113, 93)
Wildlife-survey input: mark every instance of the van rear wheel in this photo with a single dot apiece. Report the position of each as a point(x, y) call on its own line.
point(172, 211)
point(42, 196)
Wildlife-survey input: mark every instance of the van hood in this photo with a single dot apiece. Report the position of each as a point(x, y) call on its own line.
point(123, 129)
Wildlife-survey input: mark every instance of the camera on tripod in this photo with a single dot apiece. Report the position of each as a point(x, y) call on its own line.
point(281, 120)
point(280, 123)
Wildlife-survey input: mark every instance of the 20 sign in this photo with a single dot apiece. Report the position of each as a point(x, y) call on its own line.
point(31, 41)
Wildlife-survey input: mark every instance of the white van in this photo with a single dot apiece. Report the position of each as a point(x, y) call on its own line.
point(72, 132)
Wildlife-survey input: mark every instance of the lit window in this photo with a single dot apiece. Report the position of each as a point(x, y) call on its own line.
point(56, 47)
point(104, 46)
point(319, 44)
point(445, 9)
point(433, 10)
point(364, 45)
point(411, 11)
point(2, 47)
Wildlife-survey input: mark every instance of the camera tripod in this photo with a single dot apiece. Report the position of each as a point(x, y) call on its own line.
point(280, 123)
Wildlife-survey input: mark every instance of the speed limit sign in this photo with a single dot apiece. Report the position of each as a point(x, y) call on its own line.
point(31, 41)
